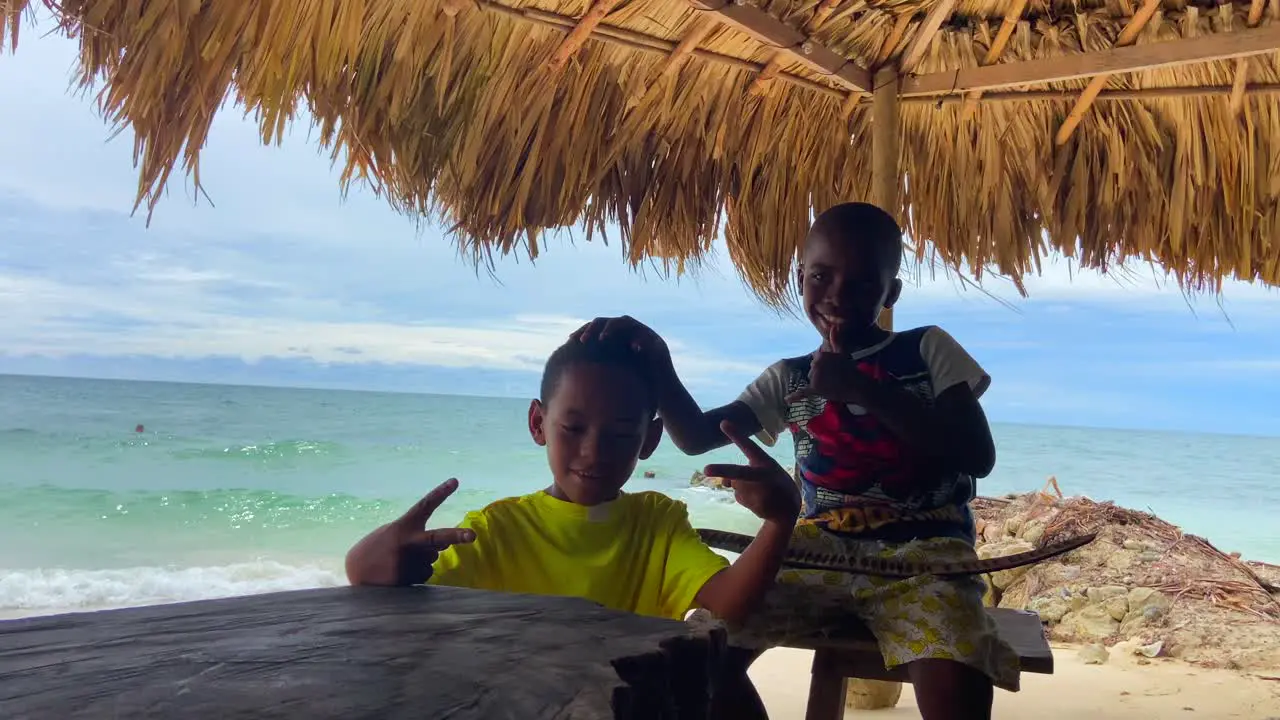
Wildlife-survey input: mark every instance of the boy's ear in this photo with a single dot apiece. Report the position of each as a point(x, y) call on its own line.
point(895, 291)
point(537, 417)
point(800, 279)
point(652, 437)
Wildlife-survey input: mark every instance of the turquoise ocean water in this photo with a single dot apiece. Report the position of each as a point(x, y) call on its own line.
point(236, 490)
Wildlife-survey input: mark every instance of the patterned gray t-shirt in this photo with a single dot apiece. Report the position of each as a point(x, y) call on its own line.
point(855, 477)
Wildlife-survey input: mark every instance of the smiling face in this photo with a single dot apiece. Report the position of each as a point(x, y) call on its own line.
point(596, 423)
point(848, 271)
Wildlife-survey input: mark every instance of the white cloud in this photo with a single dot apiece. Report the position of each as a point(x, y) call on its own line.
point(1134, 285)
point(52, 319)
point(1253, 366)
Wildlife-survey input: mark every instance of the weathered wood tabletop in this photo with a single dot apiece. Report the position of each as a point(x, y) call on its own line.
point(425, 653)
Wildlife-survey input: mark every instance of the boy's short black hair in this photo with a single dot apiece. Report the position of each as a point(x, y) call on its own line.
point(612, 353)
point(868, 225)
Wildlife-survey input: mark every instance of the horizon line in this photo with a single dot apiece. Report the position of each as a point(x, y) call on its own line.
point(484, 396)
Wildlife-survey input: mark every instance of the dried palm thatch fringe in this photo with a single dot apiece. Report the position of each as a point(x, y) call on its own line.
point(450, 110)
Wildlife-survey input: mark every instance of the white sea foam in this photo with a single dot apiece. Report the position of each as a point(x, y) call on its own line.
point(40, 591)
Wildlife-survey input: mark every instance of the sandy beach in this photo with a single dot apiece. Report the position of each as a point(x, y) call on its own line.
point(1121, 688)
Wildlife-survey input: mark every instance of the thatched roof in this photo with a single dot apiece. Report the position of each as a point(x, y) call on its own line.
point(681, 119)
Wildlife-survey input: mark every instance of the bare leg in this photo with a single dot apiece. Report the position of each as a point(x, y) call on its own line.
point(949, 690)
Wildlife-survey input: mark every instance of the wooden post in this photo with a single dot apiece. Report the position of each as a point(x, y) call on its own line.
point(885, 135)
point(884, 151)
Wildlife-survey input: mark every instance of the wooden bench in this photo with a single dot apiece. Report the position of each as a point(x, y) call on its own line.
point(856, 655)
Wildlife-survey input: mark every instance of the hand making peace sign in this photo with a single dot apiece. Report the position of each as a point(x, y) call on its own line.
point(402, 551)
point(761, 486)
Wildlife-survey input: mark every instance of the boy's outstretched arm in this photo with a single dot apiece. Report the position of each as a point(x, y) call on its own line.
point(763, 487)
point(694, 430)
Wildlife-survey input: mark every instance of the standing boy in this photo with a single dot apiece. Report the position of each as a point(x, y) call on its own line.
point(889, 436)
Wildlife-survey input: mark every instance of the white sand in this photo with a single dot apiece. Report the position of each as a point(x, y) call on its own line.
point(1119, 689)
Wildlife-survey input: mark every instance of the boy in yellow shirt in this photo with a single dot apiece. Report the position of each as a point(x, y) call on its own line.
point(583, 536)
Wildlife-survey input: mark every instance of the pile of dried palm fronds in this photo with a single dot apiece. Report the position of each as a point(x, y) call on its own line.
point(1189, 566)
point(455, 109)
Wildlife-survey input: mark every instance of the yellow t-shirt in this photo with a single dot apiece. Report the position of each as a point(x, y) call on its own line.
point(637, 553)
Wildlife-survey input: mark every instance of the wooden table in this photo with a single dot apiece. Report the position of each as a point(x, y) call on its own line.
point(423, 653)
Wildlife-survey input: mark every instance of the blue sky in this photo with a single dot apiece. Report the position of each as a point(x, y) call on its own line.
point(282, 281)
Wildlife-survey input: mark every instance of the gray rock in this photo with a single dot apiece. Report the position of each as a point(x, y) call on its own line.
point(1125, 648)
point(1147, 606)
point(1094, 654)
point(1092, 622)
point(1005, 578)
point(993, 532)
point(1032, 532)
point(1142, 598)
point(1135, 545)
point(1117, 606)
point(1102, 594)
point(1012, 526)
point(1148, 556)
point(700, 480)
point(1120, 560)
point(1010, 546)
point(1050, 609)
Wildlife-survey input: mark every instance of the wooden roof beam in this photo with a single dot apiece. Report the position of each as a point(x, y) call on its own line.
point(797, 46)
point(900, 26)
point(775, 63)
point(702, 27)
point(1203, 48)
point(1007, 26)
point(1172, 92)
point(938, 14)
point(1242, 65)
point(640, 42)
point(579, 34)
point(1128, 36)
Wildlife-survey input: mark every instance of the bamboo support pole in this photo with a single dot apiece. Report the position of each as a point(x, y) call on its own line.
point(885, 138)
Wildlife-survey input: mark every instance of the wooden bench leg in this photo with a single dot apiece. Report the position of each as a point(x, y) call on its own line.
point(827, 689)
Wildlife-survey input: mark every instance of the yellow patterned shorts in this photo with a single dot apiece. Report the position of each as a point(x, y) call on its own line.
point(917, 618)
